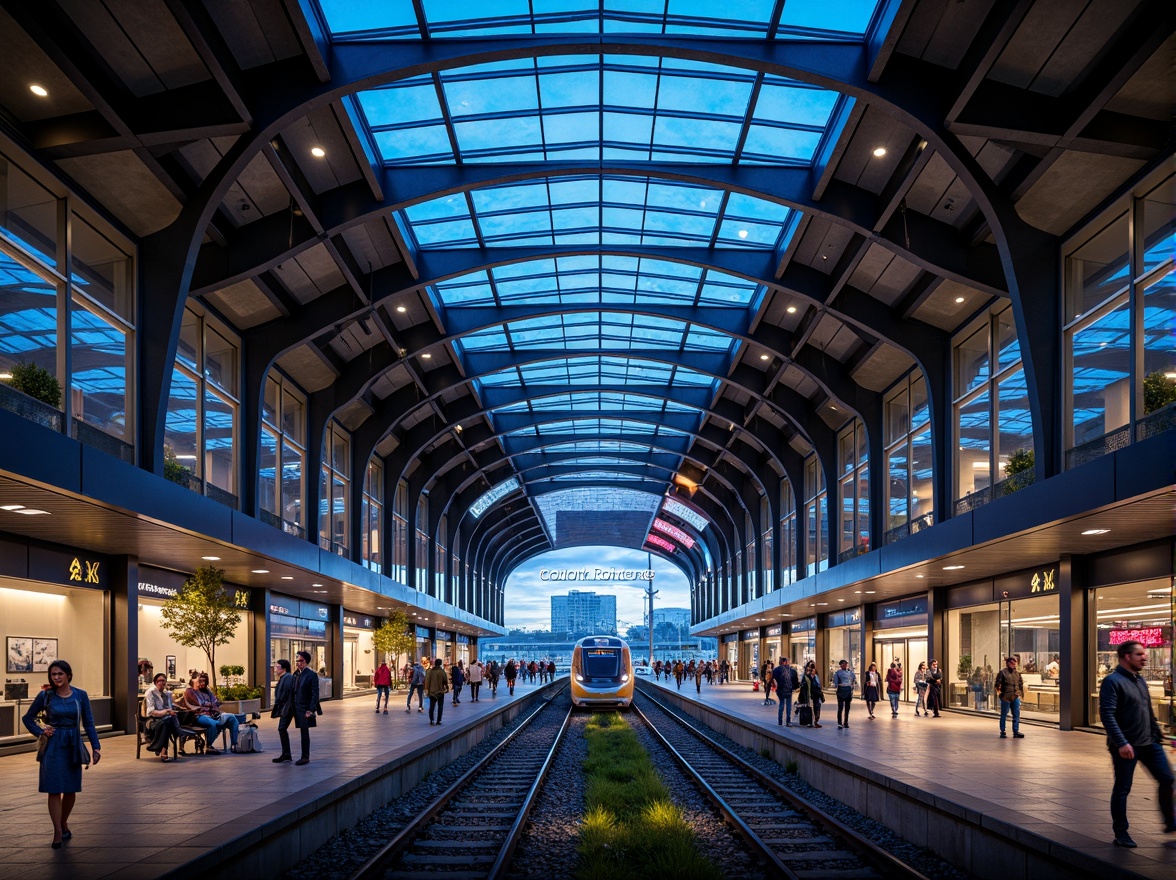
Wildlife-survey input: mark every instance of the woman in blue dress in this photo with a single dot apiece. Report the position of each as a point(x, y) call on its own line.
point(61, 764)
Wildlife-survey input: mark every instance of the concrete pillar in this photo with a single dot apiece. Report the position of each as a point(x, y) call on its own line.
point(124, 638)
point(1072, 643)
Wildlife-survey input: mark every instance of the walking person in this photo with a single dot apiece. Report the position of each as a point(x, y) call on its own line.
point(65, 712)
point(510, 674)
point(457, 679)
point(698, 678)
point(679, 671)
point(474, 677)
point(810, 691)
point(872, 688)
point(306, 703)
point(786, 682)
point(921, 689)
point(162, 722)
point(765, 676)
point(844, 681)
point(383, 682)
point(1011, 688)
point(283, 708)
point(934, 689)
point(436, 686)
point(894, 686)
point(493, 671)
point(1133, 735)
point(416, 685)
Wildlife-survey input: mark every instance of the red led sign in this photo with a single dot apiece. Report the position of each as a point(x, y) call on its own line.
point(1149, 637)
point(660, 542)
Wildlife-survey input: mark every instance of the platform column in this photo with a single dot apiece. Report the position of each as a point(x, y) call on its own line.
point(1072, 647)
point(124, 642)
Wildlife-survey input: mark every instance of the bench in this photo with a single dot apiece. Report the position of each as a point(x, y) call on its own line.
point(143, 736)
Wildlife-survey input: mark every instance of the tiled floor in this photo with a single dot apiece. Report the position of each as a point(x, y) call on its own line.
point(140, 819)
point(1053, 783)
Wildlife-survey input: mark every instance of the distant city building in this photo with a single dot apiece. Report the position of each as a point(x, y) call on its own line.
point(672, 616)
point(584, 612)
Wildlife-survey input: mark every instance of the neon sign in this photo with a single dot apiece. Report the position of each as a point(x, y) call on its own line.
point(661, 542)
point(680, 510)
point(674, 532)
point(486, 500)
point(1148, 636)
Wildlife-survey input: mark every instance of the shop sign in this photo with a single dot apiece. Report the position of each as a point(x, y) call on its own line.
point(1044, 581)
point(775, 630)
point(806, 625)
point(69, 568)
point(360, 621)
point(275, 608)
point(1034, 582)
point(443, 636)
point(901, 608)
point(731, 637)
point(750, 634)
point(1148, 636)
point(422, 632)
point(463, 640)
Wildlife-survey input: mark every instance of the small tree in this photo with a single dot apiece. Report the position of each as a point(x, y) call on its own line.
point(1021, 460)
point(1158, 391)
point(201, 615)
point(395, 637)
point(37, 382)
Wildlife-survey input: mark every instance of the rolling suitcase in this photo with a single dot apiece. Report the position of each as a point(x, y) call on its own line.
point(805, 715)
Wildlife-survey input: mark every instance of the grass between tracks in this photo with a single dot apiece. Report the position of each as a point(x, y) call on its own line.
point(631, 828)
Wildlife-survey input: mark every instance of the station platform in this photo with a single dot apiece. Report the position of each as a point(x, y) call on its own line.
point(952, 784)
point(144, 819)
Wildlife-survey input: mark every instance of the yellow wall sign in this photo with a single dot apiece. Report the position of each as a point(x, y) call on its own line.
point(1044, 581)
point(83, 571)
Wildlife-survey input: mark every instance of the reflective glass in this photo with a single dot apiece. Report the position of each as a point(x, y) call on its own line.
point(28, 317)
point(181, 432)
point(1159, 333)
point(1014, 420)
point(1100, 377)
point(101, 393)
point(598, 331)
point(922, 498)
point(597, 371)
point(220, 361)
point(920, 409)
point(1159, 225)
point(267, 469)
point(271, 401)
point(971, 361)
point(101, 271)
point(1098, 270)
point(28, 212)
point(292, 485)
point(219, 429)
point(898, 486)
point(1008, 346)
point(975, 435)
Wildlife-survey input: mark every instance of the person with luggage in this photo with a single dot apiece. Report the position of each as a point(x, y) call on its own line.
point(811, 696)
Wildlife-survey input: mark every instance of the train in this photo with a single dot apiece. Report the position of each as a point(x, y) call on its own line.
point(602, 673)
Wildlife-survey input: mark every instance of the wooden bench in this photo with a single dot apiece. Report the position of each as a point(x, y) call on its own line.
point(144, 736)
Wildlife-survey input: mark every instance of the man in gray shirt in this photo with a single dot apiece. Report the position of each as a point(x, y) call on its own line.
point(845, 681)
point(1133, 734)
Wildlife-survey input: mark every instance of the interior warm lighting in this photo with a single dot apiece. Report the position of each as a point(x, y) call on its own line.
point(959, 299)
point(791, 310)
point(261, 571)
point(952, 567)
point(1169, 375)
point(765, 357)
point(879, 152)
point(401, 309)
point(39, 91)
point(31, 511)
point(426, 356)
point(316, 585)
point(12, 507)
point(287, 577)
point(210, 558)
point(1096, 531)
point(318, 152)
point(185, 458)
point(5, 376)
point(919, 577)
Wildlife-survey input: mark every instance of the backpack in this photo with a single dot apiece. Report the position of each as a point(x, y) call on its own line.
point(248, 739)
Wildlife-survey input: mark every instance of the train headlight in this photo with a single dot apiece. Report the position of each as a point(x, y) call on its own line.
point(579, 677)
point(625, 677)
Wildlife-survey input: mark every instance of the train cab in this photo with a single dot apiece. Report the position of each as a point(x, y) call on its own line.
point(602, 673)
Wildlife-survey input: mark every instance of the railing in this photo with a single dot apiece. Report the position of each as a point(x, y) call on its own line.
point(333, 546)
point(909, 528)
point(970, 502)
point(99, 439)
point(1098, 447)
point(1163, 419)
point(188, 480)
point(216, 493)
point(1005, 487)
point(853, 552)
point(272, 519)
point(29, 408)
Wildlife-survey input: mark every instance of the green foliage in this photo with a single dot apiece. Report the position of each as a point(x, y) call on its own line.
point(172, 469)
point(201, 615)
point(1021, 460)
point(631, 828)
point(229, 671)
point(395, 637)
point(792, 767)
point(239, 692)
point(964, 669)
point(765, 752)
point(37, 382)
point(1158, 391)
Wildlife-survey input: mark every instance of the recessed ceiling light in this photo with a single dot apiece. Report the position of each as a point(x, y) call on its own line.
point(287, 577)
point(879, 152)
point(743, 233)
point(316, 585)
point(857, 592)
point(952, 567)
point(210, 558)
point(318, 152)
point(822, 603)
point(39, 91)
point(1166, 376)
point(261, 571)
point(31, 511)
point(791, 310)
point(5, 376)
point(871, 592)
point(840, 600)
point(765, 357)
point(426, 356)
point(12, 507)
point(401, 309)
point(1096, 531)
point(959, 299)
point(919, 576)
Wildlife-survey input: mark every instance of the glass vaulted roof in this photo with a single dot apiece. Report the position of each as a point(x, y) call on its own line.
point(634, 372)
point(598, 331)
point(401, 19)
point(597, 401)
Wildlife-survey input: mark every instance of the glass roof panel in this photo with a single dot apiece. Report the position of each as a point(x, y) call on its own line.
point(598, 370)
point(596, 401)
point(586, 427)
point(598, 331)
point(396, 19)
point(599, 477)
point(599, 210)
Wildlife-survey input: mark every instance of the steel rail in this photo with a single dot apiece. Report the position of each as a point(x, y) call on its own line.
point(378, 862)
point(889, 862)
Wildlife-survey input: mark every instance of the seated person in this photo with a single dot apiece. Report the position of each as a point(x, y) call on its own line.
point(203, 703)
point(162, 722)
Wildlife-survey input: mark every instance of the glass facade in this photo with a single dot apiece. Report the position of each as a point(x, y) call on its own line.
point(1141, 612)
point(816, 516)
point(910, 501)
point(335, 490)
point(853, 491)
point(788, 535)
point(373, 516)
point(282, 465)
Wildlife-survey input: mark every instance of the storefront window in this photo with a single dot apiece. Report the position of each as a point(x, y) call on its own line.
point(844, 643)
point(360, 658)
point(1139, 612)
point(373, 516)
point(816, 515)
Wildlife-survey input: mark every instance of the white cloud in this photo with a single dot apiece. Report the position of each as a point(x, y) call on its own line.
point(528, 599)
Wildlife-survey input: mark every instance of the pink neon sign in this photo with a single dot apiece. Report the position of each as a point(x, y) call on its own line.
point(661, 542)
point(674, 532)
point(1149, 636)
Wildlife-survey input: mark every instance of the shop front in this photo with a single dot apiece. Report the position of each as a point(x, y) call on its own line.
point(802, 642)
point(159, 651)
point(1014, 615)
point(749, 654)
point(843, 642)
point(424, 646)
point(359, 654)
point(899, 635)
point(730, 653)
point(445, 648)
point(54, 604)
point(463, 650)
point(299, 625)
point(773, 643)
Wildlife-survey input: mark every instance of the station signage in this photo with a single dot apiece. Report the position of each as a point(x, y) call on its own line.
point(359, 621)
point(595, 574)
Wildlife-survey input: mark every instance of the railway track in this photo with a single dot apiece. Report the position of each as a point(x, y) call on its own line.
point(792, 836)
point(471, 829)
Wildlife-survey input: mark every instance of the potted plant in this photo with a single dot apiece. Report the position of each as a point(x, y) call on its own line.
point(37, 382)
point(964, 669)
point(240, 699)
point(1158, 392)
point(172, 469)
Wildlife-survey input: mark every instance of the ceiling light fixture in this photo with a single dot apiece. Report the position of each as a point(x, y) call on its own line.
point(765, 357)
point(12, 507)
point(959, 299)
point(791, 310)
point(287, 577)
point(871, 592)
point(879, 152)
point(953, 567)
point(318, 152)
point(261, 571)
point(210, 558)
point(426, 356)
point(316, 585)
point(39, 90)
point(5, 376)
point(919, 577)
point(1096, 531)
point(31, 511)
point(401, 309)
point(743, 233)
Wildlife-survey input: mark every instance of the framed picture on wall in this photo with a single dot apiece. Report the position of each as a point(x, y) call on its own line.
point(44, 653)
point(170, 662)
point(19, 650)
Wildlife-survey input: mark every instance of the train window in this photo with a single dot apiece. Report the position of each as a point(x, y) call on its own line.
point(602, 662)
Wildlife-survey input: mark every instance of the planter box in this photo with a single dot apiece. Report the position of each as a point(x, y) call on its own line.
point(241, 707)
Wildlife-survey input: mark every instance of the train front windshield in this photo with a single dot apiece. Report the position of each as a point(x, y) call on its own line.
point(602, 662)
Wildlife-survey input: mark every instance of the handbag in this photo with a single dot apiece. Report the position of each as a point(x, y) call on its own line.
point(43, 740)
point(83, 749)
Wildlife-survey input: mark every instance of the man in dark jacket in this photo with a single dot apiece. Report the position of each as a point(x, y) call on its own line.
point(283, 708)
point(786, 682)
point(1011, 689)
point(306, 702)
point(1133, 734)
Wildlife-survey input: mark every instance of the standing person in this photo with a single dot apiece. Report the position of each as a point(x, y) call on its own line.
point(872, 688)
point(698, 678)
point(934, 688)
point(657, 670)
point(976, 685)
point(436, 685)
point(1011, 688)
point(765, 675)
point(66, 711)
point(810, 691)
point(510, 674)
point(474, 677)
point(283, 708)
point(786, 682)
point(383, 682)
point(493, 673)
point(416, 685)
point(679, 671)
point(844, 680)
point(1133, 734)
point(306, 703)
point(921, 689)
point(894, 686)
point(457, 679)
point(551, 670)
point(200, 699)
point(162, 722)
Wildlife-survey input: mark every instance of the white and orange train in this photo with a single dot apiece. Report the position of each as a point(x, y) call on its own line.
point(602, 673)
